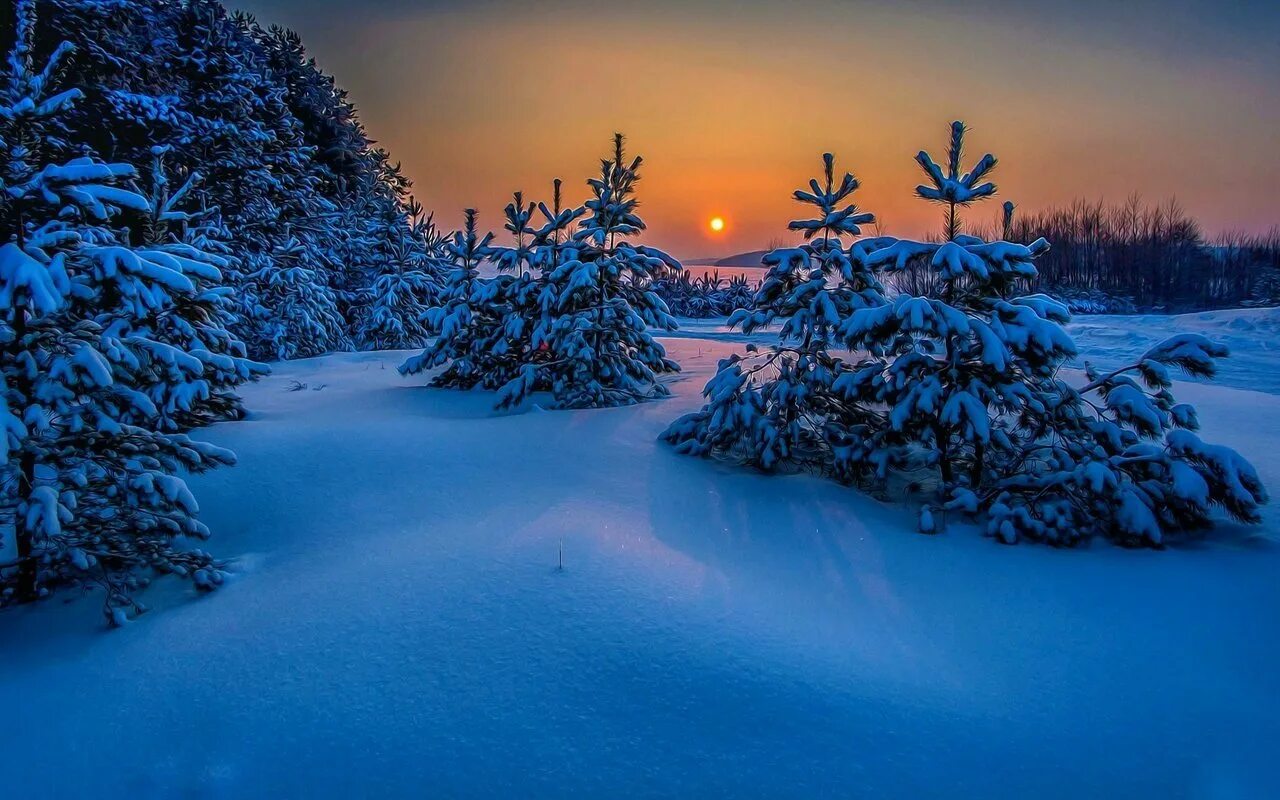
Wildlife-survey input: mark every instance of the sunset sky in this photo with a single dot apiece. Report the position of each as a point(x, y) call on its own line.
point(731, 103)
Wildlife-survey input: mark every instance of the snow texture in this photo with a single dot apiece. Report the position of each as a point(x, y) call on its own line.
point(396, 624)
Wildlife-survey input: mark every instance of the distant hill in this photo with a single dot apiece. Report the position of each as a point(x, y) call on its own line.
point(751, 259)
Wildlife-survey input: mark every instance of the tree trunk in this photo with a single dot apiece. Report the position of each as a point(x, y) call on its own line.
point(944, 456)
point(975, 471)
point(26, 482)
point(26, 564)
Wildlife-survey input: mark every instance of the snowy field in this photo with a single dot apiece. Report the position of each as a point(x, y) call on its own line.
point(397, 625)
point(1108, 341)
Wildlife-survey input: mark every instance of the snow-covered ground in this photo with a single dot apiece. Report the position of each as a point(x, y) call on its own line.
point(397, 625)
point(1108, 341)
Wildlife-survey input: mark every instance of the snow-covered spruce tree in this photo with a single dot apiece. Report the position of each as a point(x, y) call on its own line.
point(955, 189)
point(975, 406)
point(552, 240)
point(783, 408)
point(92, 489)
point(262, 174)
point(288, 308)
point(511, 354)
point(465, 321)
point(394, 305)
point(287, 164)
point(598, 304)
point(198, 322)
point(519, 360)
point(485, 325)
point(961, 393)
point(569, 312)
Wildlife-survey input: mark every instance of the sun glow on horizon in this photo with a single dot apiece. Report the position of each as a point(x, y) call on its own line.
point(716, 224)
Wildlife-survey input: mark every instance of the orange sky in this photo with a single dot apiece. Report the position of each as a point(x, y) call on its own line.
point(732, 103)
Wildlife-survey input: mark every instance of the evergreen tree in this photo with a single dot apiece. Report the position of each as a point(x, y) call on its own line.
point(289, 170)
point(328, 122)
point(92, 485)
point(588, 294)
point(465, 322)
point(290, 310)
point(961, 393)
point(526, 355)
point(955, 189)
point(397, 302)
point(198, 322)
point(972, 386)
point(785, 408)
point(598, 304)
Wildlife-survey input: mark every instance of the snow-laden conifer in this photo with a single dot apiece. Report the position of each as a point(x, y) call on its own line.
point(964, 392)
point(978, 406)
point(954, 188)
point(598, 303)
point(782, 408)
point(391, 315)
point(289, 310)
point(464, 322)
point(93, 488)
point(196, 322)
point(570, 310)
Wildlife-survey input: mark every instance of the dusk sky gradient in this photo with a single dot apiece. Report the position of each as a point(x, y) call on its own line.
point(731, 104)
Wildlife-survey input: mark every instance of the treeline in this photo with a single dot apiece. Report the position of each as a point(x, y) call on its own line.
point(1105, 258)
point(1157, 256)
point(267, 149)
point(704, 296)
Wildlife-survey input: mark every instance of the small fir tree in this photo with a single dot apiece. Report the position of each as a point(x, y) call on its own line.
point(955, 189)
point(961, 393)
point(197, 323)
point(784, 408)
point(464, 322)
point(598, 304)
point(569, 312)
point(394, 307)
point(289, 309)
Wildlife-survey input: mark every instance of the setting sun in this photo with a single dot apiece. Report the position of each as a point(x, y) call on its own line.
point(717, 224)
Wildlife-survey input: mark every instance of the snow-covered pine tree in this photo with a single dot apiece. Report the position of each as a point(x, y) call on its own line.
point(587, 294)
point(553, 240)
point(231, 115)
point(514, 292)
point(287, 165)
point(289, 309)
point(93, 491)
point(364, 231)
point(784, 408)
point(394, 305)
point(975, 404)
point(961, 392)
point(486, 325)
point(197, 323)
point(955, 189)
point(527, 356)
point(598, 304)
point(465, 322)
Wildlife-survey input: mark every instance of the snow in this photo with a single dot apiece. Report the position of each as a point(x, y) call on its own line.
point(1252, 336)
point(395, 623)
